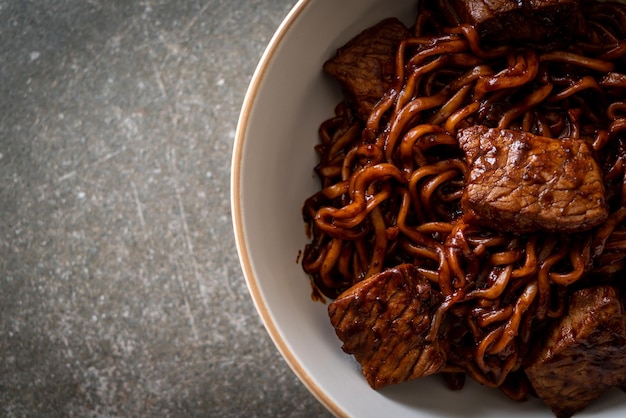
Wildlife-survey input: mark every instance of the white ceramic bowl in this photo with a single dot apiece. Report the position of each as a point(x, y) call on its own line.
point(272, 174)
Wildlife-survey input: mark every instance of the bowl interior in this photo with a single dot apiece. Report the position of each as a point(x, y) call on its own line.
point(272, 175)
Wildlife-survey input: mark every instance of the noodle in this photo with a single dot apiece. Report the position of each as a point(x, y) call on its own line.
point(391, 185)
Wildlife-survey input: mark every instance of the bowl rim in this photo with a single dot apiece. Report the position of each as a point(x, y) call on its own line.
point(237, 219)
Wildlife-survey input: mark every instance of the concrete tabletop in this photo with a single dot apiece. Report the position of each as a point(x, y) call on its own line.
point(121, 292)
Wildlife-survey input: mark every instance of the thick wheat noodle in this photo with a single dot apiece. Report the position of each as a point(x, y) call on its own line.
point(483, 347)
point(578, 60)
point(481, 245)
point(618, 51)
point(586, 82)
point(332, 255)
point(419, 251)
point(410, 139)
point(414, 77)
point(336, 190)
point(605, 230)
point(431, 185)
point(403, 117)
point(512, 363)
point(456, 101)
point(387, 100)
point(613, 80)
point(425, 241)
point(527, 121)
point(423, 103)
point(579, 256)
point(478, 375)
point(616, 110)
point(495, 316)
point(473, 38)
point(432, 276)
point(330, 171)
point(453, 121)
point(492, 376)
point(617, 126)
point(532, 100)
point(574, 123)
point(505, 258)
point(435, 227)
point(412, 233)
point(497, 288)
point(525, 69)
point(511, 327)
point(430, 141)
point(380, 243)
point(531, 264)
point(348, 163)
point(448, 197)
point(344, 140)
point(392, 184)
point(616, 242)
point(616, 170)
point(438, 316)
point(446, 44)
point(431, 170)
point(447, 47)
point(601, 31)
point(315, 263)
point(456, 269)
point(357, 190)
point(548, 258)
point(372, 200)
point(543, 128)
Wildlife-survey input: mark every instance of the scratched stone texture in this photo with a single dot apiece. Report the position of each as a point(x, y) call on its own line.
point(120, 289)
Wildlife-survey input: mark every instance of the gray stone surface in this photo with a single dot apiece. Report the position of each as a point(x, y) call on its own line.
point(120, 289)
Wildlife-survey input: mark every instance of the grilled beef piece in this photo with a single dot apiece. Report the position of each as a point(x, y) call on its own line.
point(539, 22)
point(584, 355)
point(521, 182)
point(365, 66)
point(384, 320)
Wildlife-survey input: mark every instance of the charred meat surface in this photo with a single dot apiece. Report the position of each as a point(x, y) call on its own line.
point(365, 66)
point(584, 354)
point(539, 22)
point(520, 182)
point(384, 320)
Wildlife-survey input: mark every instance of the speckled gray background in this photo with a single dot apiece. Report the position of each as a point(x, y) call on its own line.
point(121, 293)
